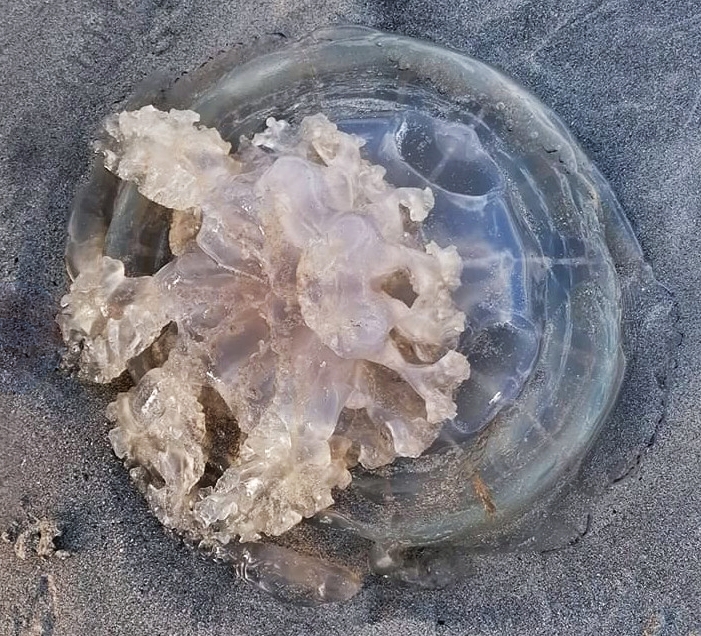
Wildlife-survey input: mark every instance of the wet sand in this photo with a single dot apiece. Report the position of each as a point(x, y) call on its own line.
point(623, 75)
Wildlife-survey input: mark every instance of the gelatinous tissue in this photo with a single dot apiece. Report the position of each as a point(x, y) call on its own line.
point(301, 306)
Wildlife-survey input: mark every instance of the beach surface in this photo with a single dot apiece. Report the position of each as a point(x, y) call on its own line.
point(624, 76)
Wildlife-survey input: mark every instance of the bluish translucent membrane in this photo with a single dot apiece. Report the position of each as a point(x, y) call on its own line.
point(501, 280)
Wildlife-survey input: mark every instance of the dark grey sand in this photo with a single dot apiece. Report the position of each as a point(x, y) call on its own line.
point(624, 75)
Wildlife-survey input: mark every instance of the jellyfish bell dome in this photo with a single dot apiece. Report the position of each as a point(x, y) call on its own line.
point(477, 172)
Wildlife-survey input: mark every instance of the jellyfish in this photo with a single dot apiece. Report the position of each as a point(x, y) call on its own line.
point(362, 285)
